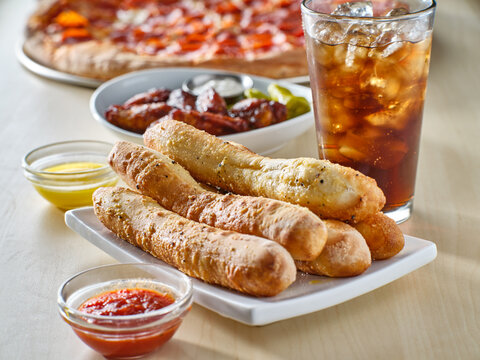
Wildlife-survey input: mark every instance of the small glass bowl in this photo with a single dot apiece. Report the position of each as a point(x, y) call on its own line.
point(65, 188)
point(125, 336)
point(197, 82)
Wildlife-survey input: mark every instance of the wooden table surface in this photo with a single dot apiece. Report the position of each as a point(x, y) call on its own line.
point(432, 313)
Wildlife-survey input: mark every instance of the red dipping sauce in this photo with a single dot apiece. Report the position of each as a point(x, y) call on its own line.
point(126, 302)
point(133, 336)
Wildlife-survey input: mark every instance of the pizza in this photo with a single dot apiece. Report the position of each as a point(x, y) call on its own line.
point(101, 39)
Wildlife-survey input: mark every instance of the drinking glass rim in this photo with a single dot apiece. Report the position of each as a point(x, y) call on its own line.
point(412, 15)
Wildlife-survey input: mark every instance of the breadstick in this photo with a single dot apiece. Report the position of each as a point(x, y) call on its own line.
point(345, 253)
point(296, 228)
point(382, 234)
point(329, 190)
point(246, 263)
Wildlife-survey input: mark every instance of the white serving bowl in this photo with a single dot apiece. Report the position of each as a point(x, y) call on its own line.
point(262, 141)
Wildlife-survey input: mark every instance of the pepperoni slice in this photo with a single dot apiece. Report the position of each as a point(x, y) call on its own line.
point(226, 8)
point(227, 44)
point(192, 42)
point(258, 41)
point(154, 44)
point(70, 18)
point(226, 27)
point(75, 35)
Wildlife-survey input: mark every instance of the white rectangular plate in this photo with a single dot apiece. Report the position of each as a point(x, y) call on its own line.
point(307, 294)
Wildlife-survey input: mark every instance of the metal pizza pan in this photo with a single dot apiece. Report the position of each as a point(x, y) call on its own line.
point(52, 74)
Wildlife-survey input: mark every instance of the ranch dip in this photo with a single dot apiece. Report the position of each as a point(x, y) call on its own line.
point(224, 87)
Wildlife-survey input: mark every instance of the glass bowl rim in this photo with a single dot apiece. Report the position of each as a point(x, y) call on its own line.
point(431, 7)
point(26, 165)
point(184, 299)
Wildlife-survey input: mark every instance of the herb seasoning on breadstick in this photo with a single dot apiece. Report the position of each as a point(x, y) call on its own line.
point(329, 190)
point(153, 174)
point(246, 263)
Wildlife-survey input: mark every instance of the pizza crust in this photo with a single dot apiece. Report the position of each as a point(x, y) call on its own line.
point(104, 60)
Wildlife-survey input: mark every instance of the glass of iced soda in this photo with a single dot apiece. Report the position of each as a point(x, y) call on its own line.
point(368, 64)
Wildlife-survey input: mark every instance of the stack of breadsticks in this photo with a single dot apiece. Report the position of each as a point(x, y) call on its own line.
point(223, 214)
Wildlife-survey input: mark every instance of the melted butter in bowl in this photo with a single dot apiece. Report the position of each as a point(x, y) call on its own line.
point(67, 173)
point(74, 167)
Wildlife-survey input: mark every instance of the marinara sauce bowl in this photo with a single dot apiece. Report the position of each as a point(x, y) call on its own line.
point(125, 336)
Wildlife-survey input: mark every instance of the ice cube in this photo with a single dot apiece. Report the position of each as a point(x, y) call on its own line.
point(395, 117)
point(355, 57)
point(412, 30)
point(387, 88)
point(355, 147)
point(338, 122)
point(355, 9)
point(392, 48)
point(371, 133)
point(362, 102)
point(323, 53)
point(333, 155)
point(415, 31)
point(327, 32)
point(391, 89)
point(352, 153)
point(416, 63)
point(387, 36)
point(382, 151)
point(390, 152)
point(350, 57)
point(387, 70)
point(340, 85)
point(362, 34)
point(339, 54)
point(334, 119)
point(398, 12)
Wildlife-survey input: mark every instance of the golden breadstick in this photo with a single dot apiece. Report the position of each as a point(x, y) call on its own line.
point(296, 228)
point(345, 253)
point(382, 234)
point(329, 190)
point(246, 263)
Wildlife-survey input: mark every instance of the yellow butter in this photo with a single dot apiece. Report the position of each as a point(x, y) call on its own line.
point(74, 167)
point(79, 193)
